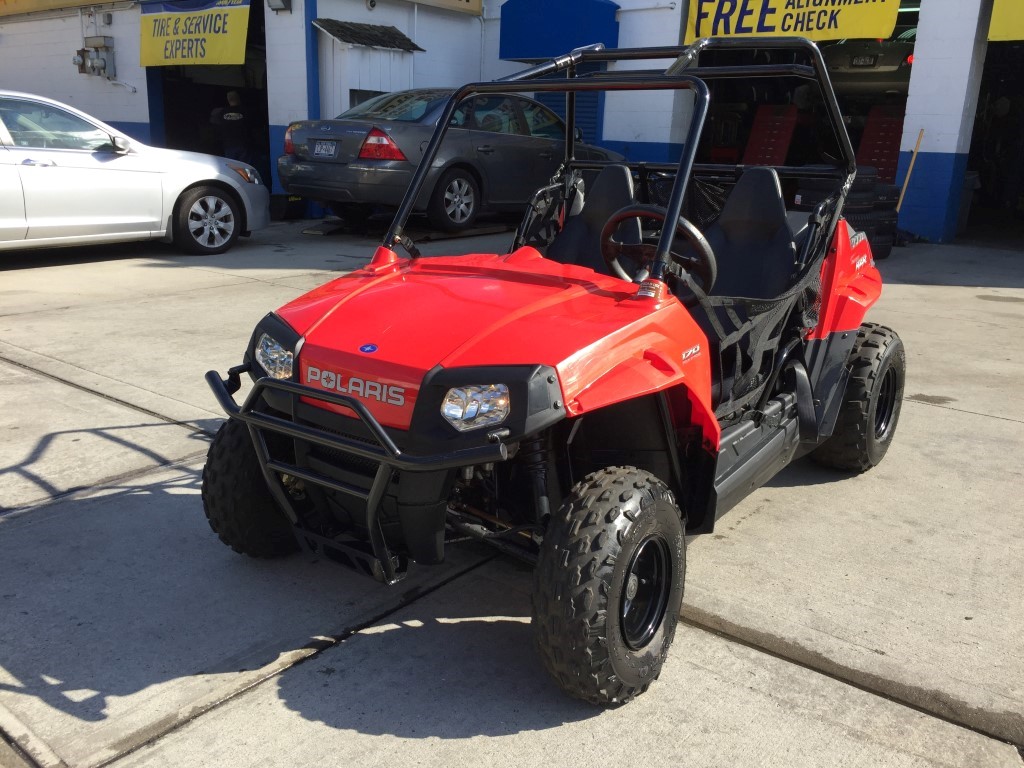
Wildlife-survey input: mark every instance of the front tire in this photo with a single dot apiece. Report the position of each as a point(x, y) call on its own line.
point(206, 221)
point(871, 404)
point(609, 585)
point(236, 499)
point(455, 202)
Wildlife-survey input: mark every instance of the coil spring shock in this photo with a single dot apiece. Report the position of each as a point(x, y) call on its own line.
point(534, 455)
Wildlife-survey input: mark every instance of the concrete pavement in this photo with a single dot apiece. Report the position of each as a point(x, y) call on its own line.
point(126, 623)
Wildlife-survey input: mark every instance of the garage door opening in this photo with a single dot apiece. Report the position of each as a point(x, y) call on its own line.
point(184, 98)
point(992, 208)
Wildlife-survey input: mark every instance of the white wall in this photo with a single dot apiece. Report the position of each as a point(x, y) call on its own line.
point(344, 68)
point(286, 64)
point(35, 56)
point(949, 58)
point(456, 51)
point(666, 115)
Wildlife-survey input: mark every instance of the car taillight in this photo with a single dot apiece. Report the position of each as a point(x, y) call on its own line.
point(289, 146)
point(379, 146)
point(908, 61)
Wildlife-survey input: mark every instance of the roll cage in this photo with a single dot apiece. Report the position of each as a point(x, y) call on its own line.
point(684, 73)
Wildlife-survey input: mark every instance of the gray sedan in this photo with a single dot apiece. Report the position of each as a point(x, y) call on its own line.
point(500, 148)
point(68, 179)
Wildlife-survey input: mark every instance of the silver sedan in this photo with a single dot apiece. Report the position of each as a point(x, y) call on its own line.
point(69, 179)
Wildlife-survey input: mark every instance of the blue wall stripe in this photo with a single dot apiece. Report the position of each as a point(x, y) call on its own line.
point(276, 150)
point(155, 95)
point(312, 61)
point(931, 205)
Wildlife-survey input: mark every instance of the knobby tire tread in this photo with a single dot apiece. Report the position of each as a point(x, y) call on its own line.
point(572, 578)
point(848, 447)
point(236, 500)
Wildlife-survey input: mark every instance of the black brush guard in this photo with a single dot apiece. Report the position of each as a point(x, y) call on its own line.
point(381, 564)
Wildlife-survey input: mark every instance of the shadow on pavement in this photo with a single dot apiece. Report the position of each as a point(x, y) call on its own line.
point(32, 469)
point(804, 472)
point(107, 596)
point(123, 613)
point(445, 668)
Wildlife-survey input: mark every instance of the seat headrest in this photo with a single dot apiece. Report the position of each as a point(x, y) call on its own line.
point(755, 209)
point(611, 190)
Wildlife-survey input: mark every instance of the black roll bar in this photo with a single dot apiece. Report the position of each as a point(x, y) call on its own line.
point(684, 73)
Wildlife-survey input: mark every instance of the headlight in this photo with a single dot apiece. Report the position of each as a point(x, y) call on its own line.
point(471, 407)
point(248, 174)
point(274, 358)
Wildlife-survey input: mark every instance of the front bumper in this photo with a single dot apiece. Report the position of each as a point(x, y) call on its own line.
point(388, 456)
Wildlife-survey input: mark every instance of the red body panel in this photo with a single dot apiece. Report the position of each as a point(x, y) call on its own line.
point(850, 284)
point(487, 310)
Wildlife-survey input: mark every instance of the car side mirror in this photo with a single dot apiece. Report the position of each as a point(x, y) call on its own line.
point(578, 134)
point(121, 144)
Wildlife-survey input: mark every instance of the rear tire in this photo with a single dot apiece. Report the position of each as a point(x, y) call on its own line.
point(608, 585)
point(455, 203)
point(871, 405)
point(206, 221)
point(236, 499)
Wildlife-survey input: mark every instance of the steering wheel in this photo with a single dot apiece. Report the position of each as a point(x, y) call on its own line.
point(699, 262)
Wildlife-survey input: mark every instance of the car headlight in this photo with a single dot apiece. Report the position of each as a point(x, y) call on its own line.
point(274, 358)
point(467, 408)
point(248, 174)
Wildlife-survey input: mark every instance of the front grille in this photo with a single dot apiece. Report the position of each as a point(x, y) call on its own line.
point(342, 426)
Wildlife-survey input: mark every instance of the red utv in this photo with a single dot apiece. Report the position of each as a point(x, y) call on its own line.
point(659, 340)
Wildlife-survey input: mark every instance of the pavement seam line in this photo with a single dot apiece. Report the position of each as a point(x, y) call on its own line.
point(111, 398)
point(836, 673)
point(315, 648)
point(35, 752)
point(244, 280)
point(962, 410)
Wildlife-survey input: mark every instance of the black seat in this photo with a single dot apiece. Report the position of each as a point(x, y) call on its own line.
point(752, 239)
point(579, 242)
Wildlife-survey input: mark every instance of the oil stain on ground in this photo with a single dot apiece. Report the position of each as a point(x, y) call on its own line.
point(932, 399)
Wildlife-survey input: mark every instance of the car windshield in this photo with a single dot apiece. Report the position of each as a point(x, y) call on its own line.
point(404, 106)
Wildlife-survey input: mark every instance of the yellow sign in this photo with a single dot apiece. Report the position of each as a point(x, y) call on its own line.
point(814, 19)
point(1007, 21)
point(193, 32)
point(14, 7)
point(476, 7)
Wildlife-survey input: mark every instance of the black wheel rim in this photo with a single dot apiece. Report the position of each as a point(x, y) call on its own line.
point(645, 592)
point(886, 404)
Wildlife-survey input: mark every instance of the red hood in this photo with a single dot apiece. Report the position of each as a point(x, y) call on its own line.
point(480, 310)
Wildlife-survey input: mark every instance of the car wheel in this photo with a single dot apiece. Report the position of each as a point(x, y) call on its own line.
point(206, 221)
point(455, 202)
point(871, 404)
point(609, 584)
point(236, 499)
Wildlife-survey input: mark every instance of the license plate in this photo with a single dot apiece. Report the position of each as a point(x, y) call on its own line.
point(324, 148)
point(863, 61)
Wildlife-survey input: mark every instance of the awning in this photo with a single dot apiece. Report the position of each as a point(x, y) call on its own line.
point(534, 30)
point(368, 35)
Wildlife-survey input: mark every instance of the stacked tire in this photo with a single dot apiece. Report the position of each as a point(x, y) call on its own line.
point(870, 206)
